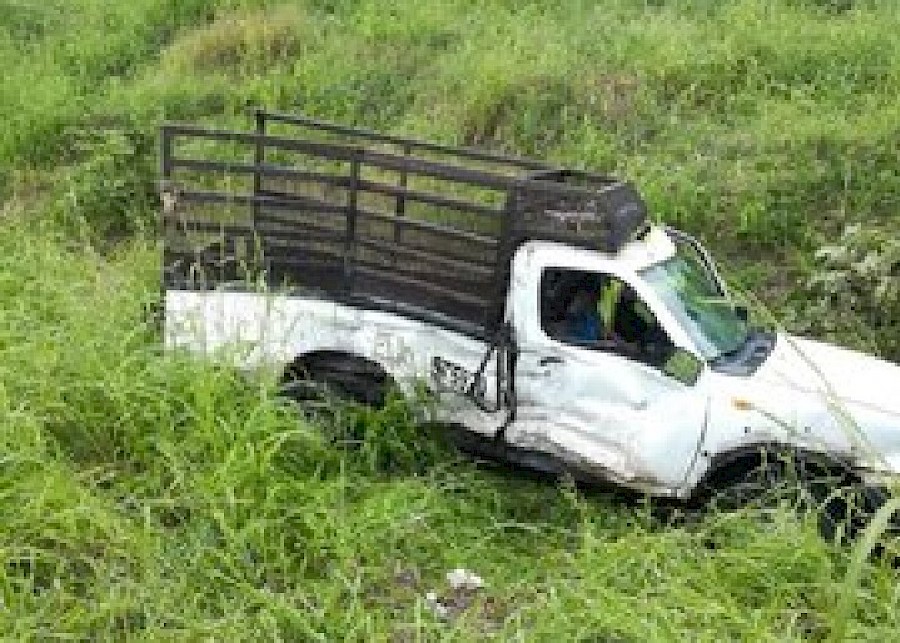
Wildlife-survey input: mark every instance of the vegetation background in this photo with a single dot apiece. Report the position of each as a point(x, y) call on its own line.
point(144, 495)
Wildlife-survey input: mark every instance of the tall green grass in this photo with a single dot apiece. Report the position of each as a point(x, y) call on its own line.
point(772, 122)
point(145, 494)
point(765, 127)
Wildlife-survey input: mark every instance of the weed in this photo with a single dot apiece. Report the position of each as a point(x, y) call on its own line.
point(146, 494)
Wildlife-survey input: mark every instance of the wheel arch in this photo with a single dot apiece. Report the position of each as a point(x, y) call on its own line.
point(361, 378)
point(729, 466)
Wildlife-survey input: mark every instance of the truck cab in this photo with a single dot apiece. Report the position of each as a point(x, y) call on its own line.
point(629, 402)
point(679, 382)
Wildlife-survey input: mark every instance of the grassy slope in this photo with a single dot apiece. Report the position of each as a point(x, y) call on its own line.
point(145, 494)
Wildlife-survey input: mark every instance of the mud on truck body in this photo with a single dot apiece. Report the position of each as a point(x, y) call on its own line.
point(365, 260)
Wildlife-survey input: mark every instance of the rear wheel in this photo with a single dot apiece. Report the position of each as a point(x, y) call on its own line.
point(337, 393)
point(329, 377)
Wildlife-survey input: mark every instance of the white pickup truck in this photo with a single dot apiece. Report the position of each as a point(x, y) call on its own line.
point(551, 320)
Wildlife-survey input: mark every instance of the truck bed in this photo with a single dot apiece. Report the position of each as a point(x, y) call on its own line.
point(371, 219)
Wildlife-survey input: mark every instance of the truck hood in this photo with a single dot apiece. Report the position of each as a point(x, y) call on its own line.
point(838, 373)
point(859, 392)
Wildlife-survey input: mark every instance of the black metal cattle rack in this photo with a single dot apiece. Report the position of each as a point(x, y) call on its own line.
point(373, 219)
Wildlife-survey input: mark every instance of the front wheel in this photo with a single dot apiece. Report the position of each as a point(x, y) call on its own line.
point(780, 480)
point(842, 505)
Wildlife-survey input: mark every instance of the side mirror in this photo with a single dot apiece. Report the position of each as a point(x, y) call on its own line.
point(683, 366)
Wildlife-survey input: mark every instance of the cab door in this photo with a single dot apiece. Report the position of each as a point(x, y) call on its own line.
point(629, 409)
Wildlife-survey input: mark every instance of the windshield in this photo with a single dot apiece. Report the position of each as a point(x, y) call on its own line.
point(697, 302)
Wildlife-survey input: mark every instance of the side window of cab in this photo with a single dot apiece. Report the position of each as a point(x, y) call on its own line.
point(598, 311)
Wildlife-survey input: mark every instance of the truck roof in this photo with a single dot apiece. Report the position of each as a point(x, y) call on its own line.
point(654, 246)
point(372, 218)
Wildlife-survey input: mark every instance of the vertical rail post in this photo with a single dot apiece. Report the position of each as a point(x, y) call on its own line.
point(350, 236)
point(401, 198)
point(255, 243)
point(505, 248)
point(165, 153)
point(503, 335)
point(259, 159)
point(168, 194)
point(166, 201)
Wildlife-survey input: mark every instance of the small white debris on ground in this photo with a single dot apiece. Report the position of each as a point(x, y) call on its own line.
point(461, 579)
point(463, 587)
point(437, 607)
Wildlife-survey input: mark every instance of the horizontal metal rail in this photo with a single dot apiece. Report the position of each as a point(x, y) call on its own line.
point(205, 225)
point(385, 161)
point(401, 276)
point(483, 268)
point(407, 278)
point(268, 230)
point(315, 205)
point(261, 169)
point(410, 143)
point(273, 201)
point(427, 198)
point(363, 185)
point(431, 228)
point(326, 150)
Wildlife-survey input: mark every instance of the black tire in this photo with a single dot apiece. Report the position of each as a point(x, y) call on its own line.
point(782, 480)
point(843, 506)
point(330, 377)
point(851, 508)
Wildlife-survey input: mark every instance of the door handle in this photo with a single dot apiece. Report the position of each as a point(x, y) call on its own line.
point(547, 360)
